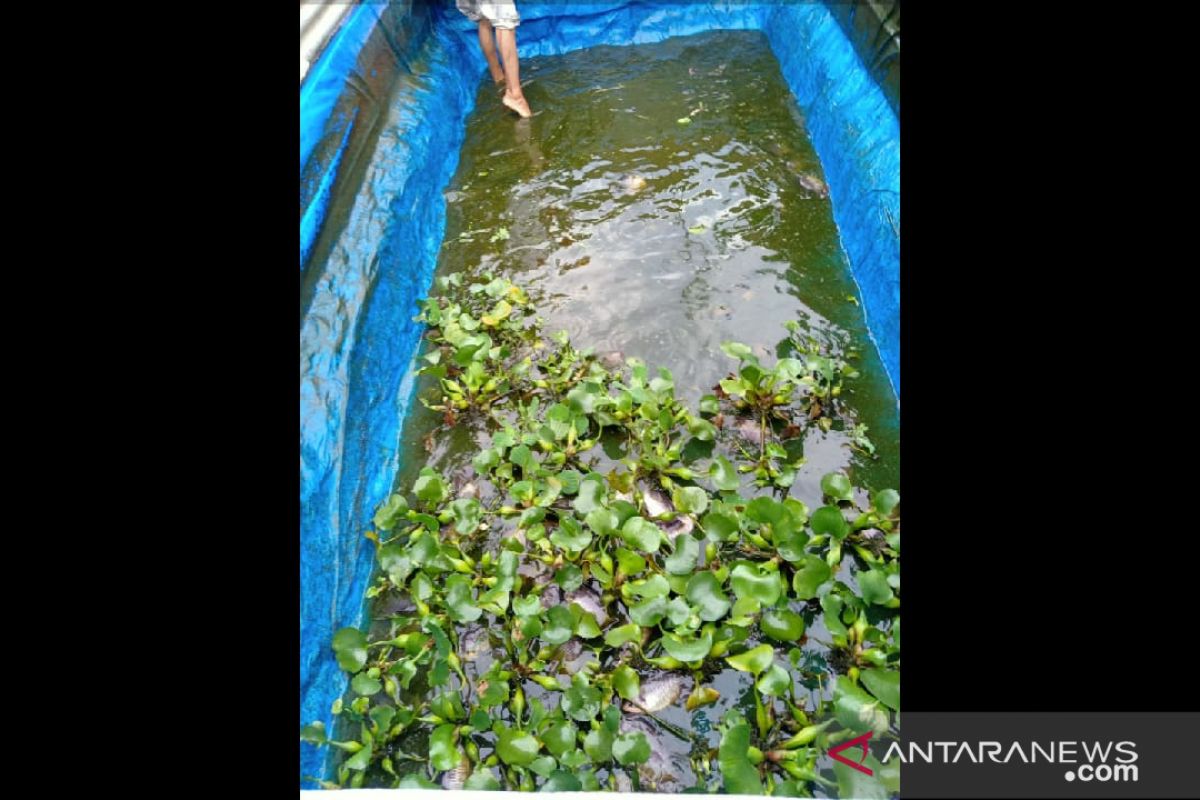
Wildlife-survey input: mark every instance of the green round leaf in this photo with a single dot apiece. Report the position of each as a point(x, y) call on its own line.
point(753, 661)
point(649, 612)
point(837, 486)
point(829, 520)
point(391, 512)
point(591, 495)
point(569, 578)
point(884, 684)
point(625, 633)
point(705, 593)
point(631, 748)
point(738, 775)
point(691, 500)
point(365, 685)
point(560, 737)
point(723, 475)
point(459, 601)
point(885, 502)
point(560, 625)
point(581, 702)
point(570, 535)
point(630, 562)
point(515, 747)
point(442, 752)
point(561, 781)
point(749, 580)
point(683, 560)
point(350, 645)
point(626, 682)
point(687, 649)
point(598, 744)
point(810, 574)
point(858, 710)
point(874, 587)
point(654, 586)
point(782, 625)
point(430, 488)
point(719, 527)
point(641, 534)
point(775, 682)
point(482, 780)
point(467, 514)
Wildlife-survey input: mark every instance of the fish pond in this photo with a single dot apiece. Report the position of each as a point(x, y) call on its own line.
point(645, 535)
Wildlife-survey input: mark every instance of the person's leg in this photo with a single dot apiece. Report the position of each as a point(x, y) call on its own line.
point(487, 41)
point(514, 98)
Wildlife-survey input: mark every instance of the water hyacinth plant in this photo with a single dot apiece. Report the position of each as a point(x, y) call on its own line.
point(535, 632)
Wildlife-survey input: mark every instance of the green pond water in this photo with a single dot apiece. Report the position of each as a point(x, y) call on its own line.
point(613, 259)
point(647, 237)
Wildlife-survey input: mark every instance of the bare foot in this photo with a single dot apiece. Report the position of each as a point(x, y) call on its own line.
point(517, 104)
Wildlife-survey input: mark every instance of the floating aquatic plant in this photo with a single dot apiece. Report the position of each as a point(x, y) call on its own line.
point(518, 629)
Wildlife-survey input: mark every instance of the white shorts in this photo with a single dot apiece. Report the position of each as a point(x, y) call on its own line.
point(501, 15)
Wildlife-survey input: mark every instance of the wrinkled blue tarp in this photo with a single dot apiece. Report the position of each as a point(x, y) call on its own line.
point(357, 337)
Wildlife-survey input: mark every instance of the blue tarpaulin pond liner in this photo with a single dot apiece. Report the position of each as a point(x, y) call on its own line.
point(390, 144)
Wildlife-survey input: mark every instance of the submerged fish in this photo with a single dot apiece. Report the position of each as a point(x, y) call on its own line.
point(589, 601)
point(454, 779)
point(656, 694)
point(659, 768)
point(656, 503)
point(633, 183)
point(812, 184)
point(680, 526)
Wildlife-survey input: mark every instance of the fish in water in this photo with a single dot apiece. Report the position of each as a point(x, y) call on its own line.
point(633, 183)
point(473, 642)
point(656, 504)
point(680, 526)
point(813, 184)
point(659, 768)
point(454, 779)
point(656, 694)
point(589, 601)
